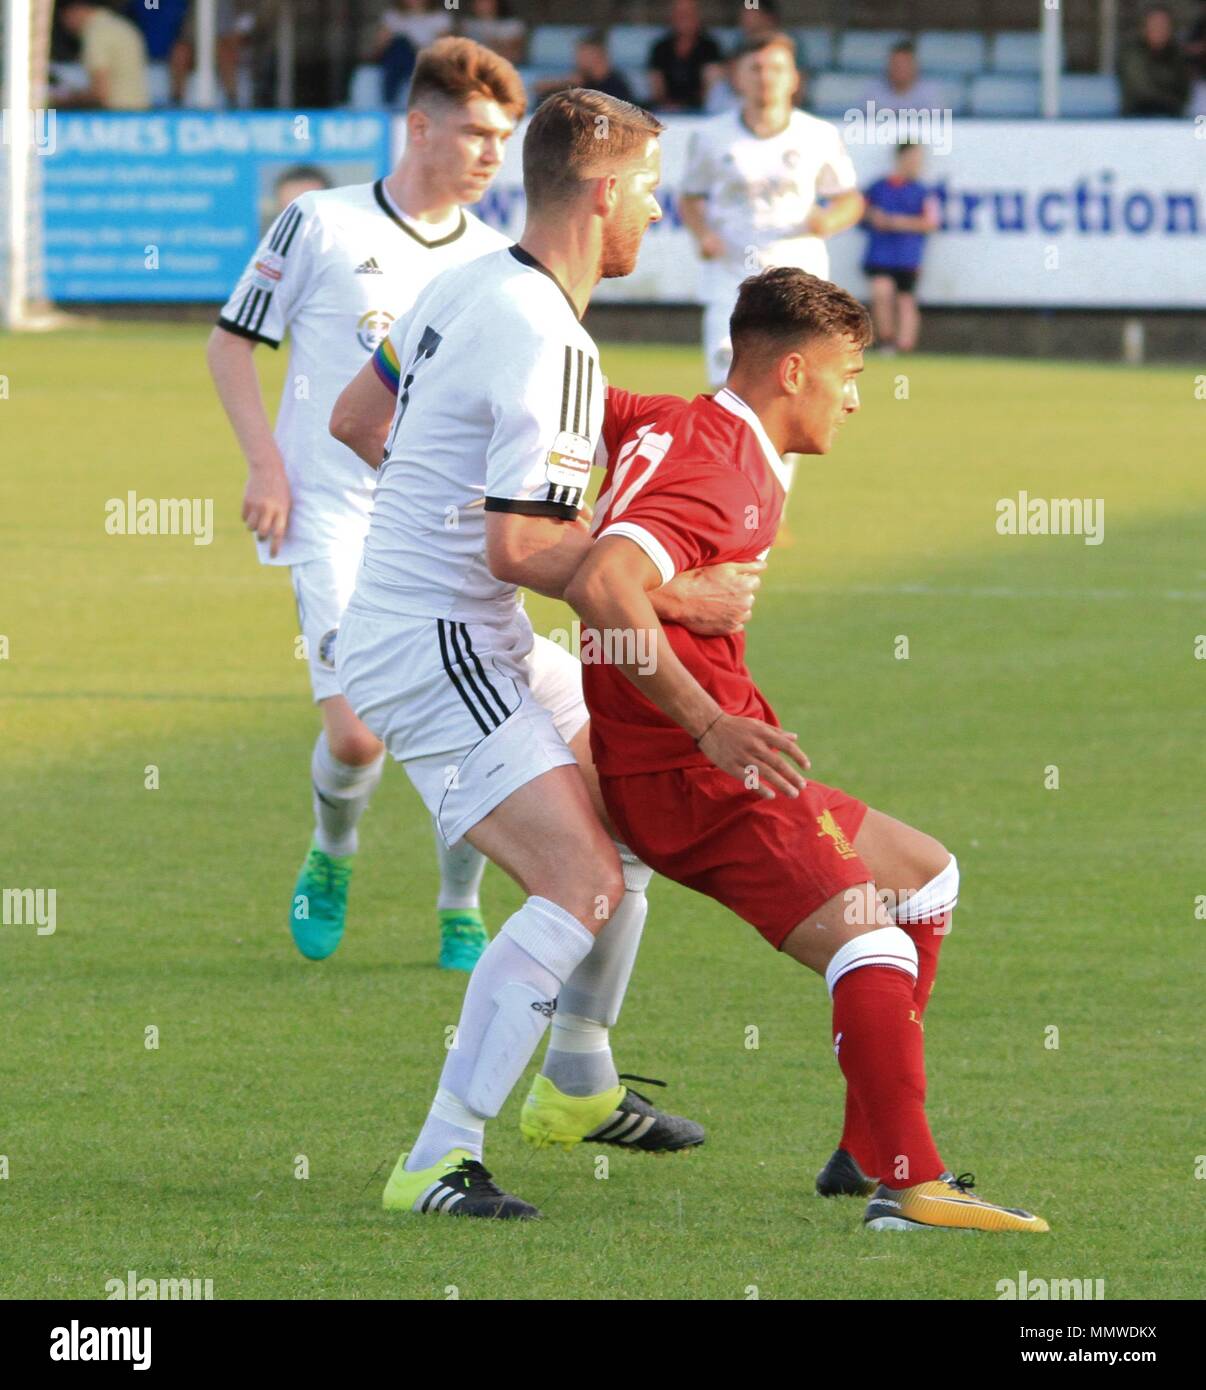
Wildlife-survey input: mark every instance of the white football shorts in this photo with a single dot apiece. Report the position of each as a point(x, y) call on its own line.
point(472, 711)
point(322, 589)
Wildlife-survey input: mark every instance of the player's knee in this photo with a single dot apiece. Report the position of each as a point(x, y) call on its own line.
point(591, 896)
point(355, 746)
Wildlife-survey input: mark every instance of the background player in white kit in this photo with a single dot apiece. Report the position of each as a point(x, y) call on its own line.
point(751, 187)
point(499, 405)
point(335, 269)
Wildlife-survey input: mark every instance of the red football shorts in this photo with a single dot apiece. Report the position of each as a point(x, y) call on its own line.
point(771, 862)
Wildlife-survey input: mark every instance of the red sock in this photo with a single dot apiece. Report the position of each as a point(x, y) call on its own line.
point(927, 934)
point(880, 1046)
point(856, 1136)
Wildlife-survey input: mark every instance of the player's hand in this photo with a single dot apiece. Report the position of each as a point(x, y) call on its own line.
point(756, 754)
point(711, 247)
point(719, 600)
point(266, 504)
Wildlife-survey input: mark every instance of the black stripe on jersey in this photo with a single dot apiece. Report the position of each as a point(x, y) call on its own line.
point(454, 638)
point(481, 673)
point(285, 227)
point(259, 323)
point(524, 507)
point(292, 232)
point(590, 386)
point(486, 726)
point(249, 314)
point(565, 388)
point(578, 396)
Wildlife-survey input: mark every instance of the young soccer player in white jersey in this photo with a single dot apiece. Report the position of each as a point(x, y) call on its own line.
point(499, 404)
point(752, 184)
point(335, 269)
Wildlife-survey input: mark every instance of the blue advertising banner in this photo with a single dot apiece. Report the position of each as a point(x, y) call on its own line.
point(170, 206)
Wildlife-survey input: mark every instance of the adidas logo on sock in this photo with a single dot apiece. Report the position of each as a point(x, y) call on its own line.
point(369, 267)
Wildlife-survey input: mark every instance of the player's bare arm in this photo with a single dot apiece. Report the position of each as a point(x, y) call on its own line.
point(842, 212)
point(694, 212)
point(612, 592)
point(362, 415)
point(536, 552)
point(266, 500)
point(712, 602)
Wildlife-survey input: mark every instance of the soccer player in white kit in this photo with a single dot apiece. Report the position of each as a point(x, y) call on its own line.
point(499, 405)
point(750, 191)
point(335, 269)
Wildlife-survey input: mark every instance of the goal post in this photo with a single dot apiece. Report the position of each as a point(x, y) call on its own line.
point(26, 132)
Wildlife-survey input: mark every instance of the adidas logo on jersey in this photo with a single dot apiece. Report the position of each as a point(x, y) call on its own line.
point(369, 267)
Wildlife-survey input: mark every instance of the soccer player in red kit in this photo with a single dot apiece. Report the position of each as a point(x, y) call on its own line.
point(697, 774)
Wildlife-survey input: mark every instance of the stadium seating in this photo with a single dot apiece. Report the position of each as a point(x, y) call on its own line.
point(996, 95)
point(364, 90)
point(817, 45)
point(866, 50)
point(629, 45)
point(1016, 53)
point(552, 45)
point(1084, 94)
point(951, 53)
point(831, 93)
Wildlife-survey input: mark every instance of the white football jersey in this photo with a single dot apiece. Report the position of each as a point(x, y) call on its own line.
point(761, 190)
point(335, 269)
point(500, 406)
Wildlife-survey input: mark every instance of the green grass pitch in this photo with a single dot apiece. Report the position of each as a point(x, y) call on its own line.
point(1077, 915)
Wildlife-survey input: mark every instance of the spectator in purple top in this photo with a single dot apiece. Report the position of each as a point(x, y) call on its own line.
point(900, 214)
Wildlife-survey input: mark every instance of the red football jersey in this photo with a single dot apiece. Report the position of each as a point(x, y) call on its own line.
point(693, 483)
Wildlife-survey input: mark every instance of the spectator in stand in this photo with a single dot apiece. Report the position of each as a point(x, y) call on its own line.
point(161, 27)
point(592, 69)
point(900, 214)
point(232, 28)
point(754, 22)
point(291, 183)
point(1154, 73)
point(406, 26)
point(490, 24)
point(684, 61)
point(114, 53)
point(902, 88)
point(1195, 49)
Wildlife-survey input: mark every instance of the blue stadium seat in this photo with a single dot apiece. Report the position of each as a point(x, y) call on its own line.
point(951, 53)
point(1089, 94)
point(953, 94)
point(816, 43)
point(629, 44)
point(728, 36)
point(832, 93)
point(866, 50)
point(995, 95)
point(364, 90)
point(552, 45)
point(1016, 53)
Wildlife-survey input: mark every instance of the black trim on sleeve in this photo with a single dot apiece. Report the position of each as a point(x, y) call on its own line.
point(559, 510)
point(240, 332)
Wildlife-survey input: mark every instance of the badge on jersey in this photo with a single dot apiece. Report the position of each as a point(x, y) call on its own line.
point(269, 267)
point(373, 328)
point(569, 460)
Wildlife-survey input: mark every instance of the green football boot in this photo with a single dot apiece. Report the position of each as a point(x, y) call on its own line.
point(463, 937)
point(320, 903)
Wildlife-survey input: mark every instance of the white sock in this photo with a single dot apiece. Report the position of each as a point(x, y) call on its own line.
point(510, 999)
point(450, 1125)
point(579, 1060)
point(341, 793)
point(461, 870)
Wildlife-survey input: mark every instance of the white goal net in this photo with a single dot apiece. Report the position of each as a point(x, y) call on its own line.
point(26, 133)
